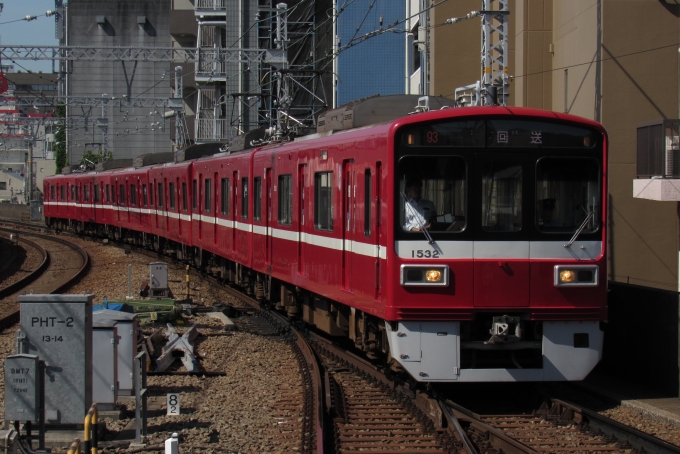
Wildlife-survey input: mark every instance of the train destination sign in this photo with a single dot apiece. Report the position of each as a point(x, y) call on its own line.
point(500, 133)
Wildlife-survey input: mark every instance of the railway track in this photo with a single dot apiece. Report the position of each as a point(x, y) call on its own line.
point(63, 265)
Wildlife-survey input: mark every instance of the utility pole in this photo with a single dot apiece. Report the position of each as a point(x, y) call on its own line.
point(493, 88)
point(29, 183)
point(282, 92)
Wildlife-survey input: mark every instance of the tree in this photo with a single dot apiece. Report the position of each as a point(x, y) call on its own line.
point(60, 139)
point(91, 157)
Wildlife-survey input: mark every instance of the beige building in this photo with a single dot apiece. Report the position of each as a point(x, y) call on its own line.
point(616, 62)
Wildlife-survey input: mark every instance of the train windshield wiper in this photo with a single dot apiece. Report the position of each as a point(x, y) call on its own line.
point(580, 229)
point(421, 224)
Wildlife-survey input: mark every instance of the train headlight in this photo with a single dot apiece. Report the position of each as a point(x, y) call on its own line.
point(424, 275)
point(576, 276)
point(433, 276)
point(567, 276)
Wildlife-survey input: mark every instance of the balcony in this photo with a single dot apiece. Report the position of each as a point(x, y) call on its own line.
point(183, 24)
point(210, 8)
point(212, 130)
point(658, 161)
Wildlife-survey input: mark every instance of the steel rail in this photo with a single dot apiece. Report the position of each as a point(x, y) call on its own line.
point(636, 438)
point(35, 274)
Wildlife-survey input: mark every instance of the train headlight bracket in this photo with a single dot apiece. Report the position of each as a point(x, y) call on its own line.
point(424, 275)
point(576, 276)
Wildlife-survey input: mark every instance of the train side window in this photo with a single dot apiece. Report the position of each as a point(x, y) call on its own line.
point(367, 202)
point(108, 193)
point(285, 190)
point(145, 199)
point(244, 198)
point(96, 193)
point(208, 195)
point(151, 194)
point(73, 193)
point(76, 194)
point(133, 195)
point(323, 201)
point(121, 193)
point(257, 198)
point(62, 190)
point(86, 193)
point(194, 195)
point(171, 195)
point(159, 195)
point(225, 196)
point(185, 207)
point(52, 192)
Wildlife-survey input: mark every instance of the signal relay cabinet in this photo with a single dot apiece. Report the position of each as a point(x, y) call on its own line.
point(58, 329)
point(104, 362)
point(128, 331)
point(22, 388)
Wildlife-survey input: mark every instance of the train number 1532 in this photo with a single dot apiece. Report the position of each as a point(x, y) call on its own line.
point(427, 254)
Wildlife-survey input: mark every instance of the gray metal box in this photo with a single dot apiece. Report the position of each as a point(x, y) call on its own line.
point(158, 275)
point(104, 362)
point(58, 328)
point(22, 388)
point(128, 329)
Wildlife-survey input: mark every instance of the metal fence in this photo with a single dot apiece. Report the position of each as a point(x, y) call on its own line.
point(212, 129)
point(211, 4)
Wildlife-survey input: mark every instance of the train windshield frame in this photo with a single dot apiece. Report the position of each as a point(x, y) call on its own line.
point(461, 176)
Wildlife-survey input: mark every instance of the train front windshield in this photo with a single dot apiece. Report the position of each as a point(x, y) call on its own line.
point(499, 176)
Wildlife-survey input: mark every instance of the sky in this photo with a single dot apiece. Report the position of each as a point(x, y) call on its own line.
point(36, 32)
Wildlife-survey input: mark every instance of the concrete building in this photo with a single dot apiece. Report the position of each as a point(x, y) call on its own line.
point(127, 131)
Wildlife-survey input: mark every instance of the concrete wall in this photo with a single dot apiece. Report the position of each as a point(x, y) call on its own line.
point(639, 83)
point(130, 132)
point(13, 211)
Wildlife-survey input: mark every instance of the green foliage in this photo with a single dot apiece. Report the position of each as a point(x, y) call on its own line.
point(91, 157)
point(60, 139)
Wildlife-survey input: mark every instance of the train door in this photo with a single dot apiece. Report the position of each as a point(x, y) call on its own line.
point(349, 218)
point(268, 215)
point(301, 219)
point(501, 230)
point(214, 205)
point(234, 209)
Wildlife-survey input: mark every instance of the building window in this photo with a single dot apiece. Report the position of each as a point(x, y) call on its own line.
point(208, 193)
point(184, 197)
point(225, 196)
point(285, 199)
point(323, 201)
point(3, 185)
point(257, 198)
point(244, 198)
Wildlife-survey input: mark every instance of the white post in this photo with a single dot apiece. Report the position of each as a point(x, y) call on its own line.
point(172, 445)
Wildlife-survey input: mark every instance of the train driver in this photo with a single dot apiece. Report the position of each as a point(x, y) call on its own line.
point(547, 214)
point(419, 212)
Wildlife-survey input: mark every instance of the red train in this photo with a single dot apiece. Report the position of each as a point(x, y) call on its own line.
point(463, 244)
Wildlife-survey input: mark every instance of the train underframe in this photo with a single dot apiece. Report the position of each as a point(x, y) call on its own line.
point(491, 347)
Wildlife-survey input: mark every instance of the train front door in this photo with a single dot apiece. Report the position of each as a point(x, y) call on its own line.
point(349, 218)
point(501, 230)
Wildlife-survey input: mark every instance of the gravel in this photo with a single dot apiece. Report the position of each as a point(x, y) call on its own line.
point(238, 412)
